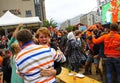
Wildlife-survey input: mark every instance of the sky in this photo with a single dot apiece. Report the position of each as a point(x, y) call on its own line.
point(61, 10)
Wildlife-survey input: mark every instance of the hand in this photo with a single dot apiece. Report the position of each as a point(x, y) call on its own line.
point(48, 72)
point(20, 74)
point(35, 40)
point(117, 49)
point(96, 56)
point(93, 35)
point(21, 24)
point(77, 37)
point(16, 30)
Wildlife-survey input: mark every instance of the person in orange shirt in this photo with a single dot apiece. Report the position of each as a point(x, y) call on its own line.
point(1, 58)
point(90, 29)
point(111, 51)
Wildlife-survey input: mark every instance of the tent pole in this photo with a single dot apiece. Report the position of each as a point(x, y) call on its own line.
point(39, 25)
point(26, 26)
point(6, 31)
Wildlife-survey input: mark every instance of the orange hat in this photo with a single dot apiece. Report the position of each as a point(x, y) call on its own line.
point(88, 33)
point(92, 27)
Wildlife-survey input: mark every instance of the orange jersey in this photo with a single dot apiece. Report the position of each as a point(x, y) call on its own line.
point(111, 42)
point(1, 60)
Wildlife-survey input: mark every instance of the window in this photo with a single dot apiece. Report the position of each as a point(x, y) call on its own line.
point(28, 13)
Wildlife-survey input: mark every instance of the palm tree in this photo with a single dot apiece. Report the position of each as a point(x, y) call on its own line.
point(47, 23)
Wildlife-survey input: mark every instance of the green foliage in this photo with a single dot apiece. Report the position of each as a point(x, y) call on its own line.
point(47, 23)
point(70, 28)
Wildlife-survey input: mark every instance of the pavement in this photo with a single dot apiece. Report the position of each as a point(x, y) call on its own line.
point(93, 74)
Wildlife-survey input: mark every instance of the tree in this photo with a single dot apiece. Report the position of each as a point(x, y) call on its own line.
point(47, 23)
point(70, 28)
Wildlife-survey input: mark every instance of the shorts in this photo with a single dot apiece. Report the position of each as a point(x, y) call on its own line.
point(96, 60)
point(89, 58)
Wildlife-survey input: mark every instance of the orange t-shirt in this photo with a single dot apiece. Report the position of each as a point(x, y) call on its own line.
point(1, 60)
point(111, 42)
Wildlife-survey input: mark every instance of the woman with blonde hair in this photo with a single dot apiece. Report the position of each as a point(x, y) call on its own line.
point(15, 49)
point(15, 78)
point(43, 36)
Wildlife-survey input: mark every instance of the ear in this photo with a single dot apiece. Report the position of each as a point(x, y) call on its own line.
point(20, 43)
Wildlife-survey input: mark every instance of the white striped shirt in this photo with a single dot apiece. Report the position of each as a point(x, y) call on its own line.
point(33, 58)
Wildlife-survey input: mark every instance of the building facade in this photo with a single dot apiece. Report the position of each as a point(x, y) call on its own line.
point(101, 2)
point(85, 19)
point(76, 20)
point(40, 9)
point(90, 18)
point(24, 8)
point(65, 24)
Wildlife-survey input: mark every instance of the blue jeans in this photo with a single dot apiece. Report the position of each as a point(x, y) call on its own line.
point(111, 65)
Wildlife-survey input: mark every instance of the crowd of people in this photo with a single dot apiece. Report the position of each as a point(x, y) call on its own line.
point(38, 57)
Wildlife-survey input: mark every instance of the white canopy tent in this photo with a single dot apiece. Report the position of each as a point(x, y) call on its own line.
point(10, 19)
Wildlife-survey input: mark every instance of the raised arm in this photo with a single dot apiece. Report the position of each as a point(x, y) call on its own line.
point(13, 38)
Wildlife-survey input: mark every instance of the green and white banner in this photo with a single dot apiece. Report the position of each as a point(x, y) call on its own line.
point(111, 12)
